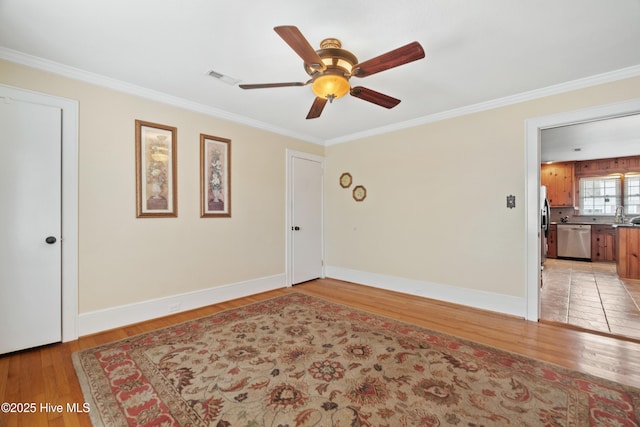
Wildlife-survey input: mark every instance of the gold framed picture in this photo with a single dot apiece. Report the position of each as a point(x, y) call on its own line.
point(346, 180)
point(359, 193)
point(215, 177)
point(156, 194)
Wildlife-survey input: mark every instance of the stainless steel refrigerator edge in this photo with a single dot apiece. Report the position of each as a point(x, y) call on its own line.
point(545, 218)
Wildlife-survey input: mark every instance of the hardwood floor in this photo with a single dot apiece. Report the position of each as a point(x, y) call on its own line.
point(46, 375)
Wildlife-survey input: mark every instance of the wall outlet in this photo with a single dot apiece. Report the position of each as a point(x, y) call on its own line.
point(174, 308)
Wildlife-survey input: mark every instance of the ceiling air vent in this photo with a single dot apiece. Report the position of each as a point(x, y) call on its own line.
point(223, 78)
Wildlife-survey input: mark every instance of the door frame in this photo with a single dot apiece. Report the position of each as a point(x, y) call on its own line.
point(69, 240)
point(290, 155)
point(534, 126)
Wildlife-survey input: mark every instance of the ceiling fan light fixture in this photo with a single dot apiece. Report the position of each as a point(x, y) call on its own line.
point(330, 86)
point(331, 67)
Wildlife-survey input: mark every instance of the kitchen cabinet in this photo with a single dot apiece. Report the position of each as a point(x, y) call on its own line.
point(603, 243)
point(630, 164)
point(596, 167)
point(552, 241)
point(606, 166)
point(558, 178)
point(628, 252)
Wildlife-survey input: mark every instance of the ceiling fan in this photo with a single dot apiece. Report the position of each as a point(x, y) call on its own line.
point(331, 67)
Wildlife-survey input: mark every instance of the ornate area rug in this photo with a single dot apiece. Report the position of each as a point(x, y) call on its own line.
point(298, 361)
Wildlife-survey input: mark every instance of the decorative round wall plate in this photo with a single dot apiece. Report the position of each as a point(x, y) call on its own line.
point(359, 193)
point(346, 180)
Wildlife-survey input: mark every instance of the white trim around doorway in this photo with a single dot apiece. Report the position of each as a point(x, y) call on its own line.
point(532, 185)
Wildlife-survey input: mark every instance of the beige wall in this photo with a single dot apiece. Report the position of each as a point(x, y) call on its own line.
point(436, 196)
point(435, 209)
point(124, 260)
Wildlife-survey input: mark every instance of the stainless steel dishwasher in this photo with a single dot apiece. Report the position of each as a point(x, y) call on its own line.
point(574, 241)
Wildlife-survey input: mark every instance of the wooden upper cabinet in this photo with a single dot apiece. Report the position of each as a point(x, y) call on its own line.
point(561, 179)
point(630, 164)
point(558, 178)
point(606, 166)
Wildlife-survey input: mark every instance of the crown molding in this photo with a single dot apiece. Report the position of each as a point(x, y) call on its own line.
point(586, 82)
point(131, 89)
point(120, 86)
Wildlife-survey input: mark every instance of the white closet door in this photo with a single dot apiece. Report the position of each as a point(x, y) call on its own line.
point(30, 225)
point(307, 220)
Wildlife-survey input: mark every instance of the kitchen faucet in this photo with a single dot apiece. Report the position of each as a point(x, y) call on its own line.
point(620, 214)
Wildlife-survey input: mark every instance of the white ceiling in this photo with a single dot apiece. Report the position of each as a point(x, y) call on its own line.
point(477, 52)
point(613, 137)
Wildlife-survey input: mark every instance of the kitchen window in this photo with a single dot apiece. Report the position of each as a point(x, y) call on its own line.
point(632, 194)
point(600, 195)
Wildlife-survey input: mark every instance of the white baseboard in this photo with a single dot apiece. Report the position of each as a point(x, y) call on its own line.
point(468, 297)
point(115, 317)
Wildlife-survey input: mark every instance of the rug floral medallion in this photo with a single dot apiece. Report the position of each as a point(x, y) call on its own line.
point(298, 360)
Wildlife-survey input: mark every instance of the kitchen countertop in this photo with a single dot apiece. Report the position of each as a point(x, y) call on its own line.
point(612, 224)
point(583, 223)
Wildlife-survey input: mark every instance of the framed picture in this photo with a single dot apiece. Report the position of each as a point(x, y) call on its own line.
point(155, 170)
point(346, 180)
point(359, 193)
point(215, 176)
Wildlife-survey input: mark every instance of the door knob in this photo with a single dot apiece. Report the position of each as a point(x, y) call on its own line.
point(50, 240)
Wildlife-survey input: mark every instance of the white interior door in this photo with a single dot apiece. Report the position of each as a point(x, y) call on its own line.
point(306, 219)
point(30, 225)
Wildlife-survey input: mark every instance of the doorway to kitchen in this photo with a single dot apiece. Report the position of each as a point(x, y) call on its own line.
point(592, 284)
point(584, 168)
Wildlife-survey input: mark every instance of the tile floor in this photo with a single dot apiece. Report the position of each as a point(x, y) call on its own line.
point(590, 295)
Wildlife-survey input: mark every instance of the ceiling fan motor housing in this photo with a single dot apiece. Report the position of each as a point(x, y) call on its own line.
point(333, 81)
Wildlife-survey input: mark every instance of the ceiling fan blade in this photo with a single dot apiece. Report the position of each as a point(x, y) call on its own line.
point(408, 53)
point(270, 85)
point(317, 107)
point(372, 96)
point(294, 38)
